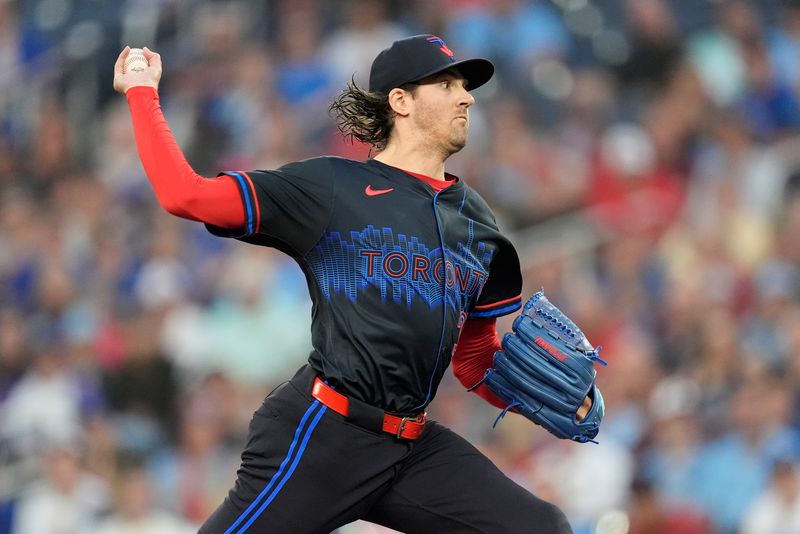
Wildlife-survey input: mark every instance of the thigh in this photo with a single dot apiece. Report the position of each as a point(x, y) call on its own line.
point(304, 470)
point(447, 485)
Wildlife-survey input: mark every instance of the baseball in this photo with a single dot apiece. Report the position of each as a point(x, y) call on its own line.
point(135, 62)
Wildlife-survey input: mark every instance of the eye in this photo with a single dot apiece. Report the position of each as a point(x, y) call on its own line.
point(445, 84)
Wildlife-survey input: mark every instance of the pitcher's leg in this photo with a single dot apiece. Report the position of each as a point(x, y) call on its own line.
point(447, 485)
point(304, 470)
point(273, 467)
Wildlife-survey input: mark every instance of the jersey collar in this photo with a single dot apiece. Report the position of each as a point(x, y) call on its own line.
point(417, 180)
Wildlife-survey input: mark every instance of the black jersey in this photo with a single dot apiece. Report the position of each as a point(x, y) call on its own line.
point(393, 268)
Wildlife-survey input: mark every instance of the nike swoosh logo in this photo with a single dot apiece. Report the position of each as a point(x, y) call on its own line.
point(375, 192)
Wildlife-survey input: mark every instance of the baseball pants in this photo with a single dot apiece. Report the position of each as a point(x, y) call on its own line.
point(306, 469)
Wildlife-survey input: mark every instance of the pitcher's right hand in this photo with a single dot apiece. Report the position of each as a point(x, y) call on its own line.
point(149, 77)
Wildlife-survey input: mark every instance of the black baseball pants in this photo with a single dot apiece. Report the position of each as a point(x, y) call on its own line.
point(306, 469)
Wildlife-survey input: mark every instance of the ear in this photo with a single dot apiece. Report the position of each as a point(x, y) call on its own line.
point(400, 101)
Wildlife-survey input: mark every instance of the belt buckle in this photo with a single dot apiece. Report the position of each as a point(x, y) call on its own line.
point(402, 425)
point(419, 418)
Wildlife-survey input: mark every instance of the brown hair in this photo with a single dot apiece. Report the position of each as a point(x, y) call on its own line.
point(364, 115)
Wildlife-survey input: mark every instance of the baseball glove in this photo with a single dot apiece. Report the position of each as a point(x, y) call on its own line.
point(546, 370)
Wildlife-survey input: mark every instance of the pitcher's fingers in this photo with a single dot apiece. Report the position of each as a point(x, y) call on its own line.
point(153, 58)
point(119, 66)
point(583, 411)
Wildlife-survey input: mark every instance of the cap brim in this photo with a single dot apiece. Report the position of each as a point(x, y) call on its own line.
point(476, 71)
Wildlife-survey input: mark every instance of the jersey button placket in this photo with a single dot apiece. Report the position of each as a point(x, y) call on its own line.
point(440, 232)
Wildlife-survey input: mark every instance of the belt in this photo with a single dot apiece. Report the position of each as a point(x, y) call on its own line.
point(401, 427)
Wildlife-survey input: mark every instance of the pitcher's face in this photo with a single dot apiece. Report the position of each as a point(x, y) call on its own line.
point(441, 110)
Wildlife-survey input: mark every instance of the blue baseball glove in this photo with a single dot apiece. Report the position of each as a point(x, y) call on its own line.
point(546, 370)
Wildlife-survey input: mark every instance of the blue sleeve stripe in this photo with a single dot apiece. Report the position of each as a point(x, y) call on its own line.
point(498, 311)
point(248, 203)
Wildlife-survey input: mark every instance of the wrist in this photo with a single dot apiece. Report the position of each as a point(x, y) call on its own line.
point(143, 90)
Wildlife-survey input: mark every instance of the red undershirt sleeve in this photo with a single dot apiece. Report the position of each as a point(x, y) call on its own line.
point(179, 189)
point(476, 347)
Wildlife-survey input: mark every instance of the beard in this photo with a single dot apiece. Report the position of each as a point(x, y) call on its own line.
point(458, 139)
point(448, 136)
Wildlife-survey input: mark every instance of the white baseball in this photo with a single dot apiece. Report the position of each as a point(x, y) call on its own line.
point(135, 62)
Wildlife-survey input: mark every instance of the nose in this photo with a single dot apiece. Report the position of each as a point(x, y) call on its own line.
point(465, 98)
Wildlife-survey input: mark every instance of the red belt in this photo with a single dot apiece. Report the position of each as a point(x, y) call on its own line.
point(402, 427)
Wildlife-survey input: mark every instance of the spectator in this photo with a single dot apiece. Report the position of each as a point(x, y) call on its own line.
point(630, 190)
point(135, 509)
point(770, 104)
point(44, 405)
point(193, 477)
point(784, 44)
point(671, 461)
point(13, 351)
point(656, 49)
point(735, 469)
point(142, 391)
point(649, 515)
point(777, 509)
point(716, 52)
point(350, 49)
point(68, 500)
point(512, 33)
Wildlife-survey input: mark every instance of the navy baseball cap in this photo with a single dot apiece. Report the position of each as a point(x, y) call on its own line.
point(414, 58)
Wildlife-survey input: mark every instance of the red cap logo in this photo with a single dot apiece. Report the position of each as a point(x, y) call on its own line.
point(442, 47)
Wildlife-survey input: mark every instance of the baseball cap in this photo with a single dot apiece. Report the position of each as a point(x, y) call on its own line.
point(414, 58)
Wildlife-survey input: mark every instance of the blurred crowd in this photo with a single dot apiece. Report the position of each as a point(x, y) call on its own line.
point(643, 154)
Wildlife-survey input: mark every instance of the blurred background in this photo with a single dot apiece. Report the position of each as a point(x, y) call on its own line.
point(643, 154)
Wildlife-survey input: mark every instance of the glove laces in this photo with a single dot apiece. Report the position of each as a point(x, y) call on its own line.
point(505, 411)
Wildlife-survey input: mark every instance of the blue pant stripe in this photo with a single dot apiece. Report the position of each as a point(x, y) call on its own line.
point(289, 473)
point(283, 465)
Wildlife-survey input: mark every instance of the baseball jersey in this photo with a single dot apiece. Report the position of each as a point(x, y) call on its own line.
point(394, 268)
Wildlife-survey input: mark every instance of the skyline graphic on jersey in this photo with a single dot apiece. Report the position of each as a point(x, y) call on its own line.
point(401, 267)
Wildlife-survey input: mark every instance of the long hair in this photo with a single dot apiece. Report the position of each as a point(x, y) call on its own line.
point(364, 115)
